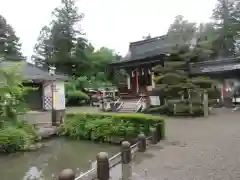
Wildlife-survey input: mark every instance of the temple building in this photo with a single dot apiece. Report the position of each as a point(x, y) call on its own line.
point(145, 54)
point(142, 57)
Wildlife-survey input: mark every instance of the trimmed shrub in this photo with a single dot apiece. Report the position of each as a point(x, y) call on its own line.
point(104, 127)
point(76, 97)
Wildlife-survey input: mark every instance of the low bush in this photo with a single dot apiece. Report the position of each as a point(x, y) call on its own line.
point(103, 126)
point(16, 136)
point(76, 97)
point(13, 139)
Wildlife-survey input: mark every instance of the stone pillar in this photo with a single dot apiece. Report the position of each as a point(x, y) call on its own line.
point(154, 136)
point(103, 170)
point(142, 145)
point(205, 104)
point(66, 174)
point(126, 161)
point(128, 81)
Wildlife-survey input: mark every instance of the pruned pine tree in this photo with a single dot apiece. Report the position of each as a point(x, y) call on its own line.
point(180, 94)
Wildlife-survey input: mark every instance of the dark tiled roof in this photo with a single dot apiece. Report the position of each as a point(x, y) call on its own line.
point(150, 48)
point(32, 72)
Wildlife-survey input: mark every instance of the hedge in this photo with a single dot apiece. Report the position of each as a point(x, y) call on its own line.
point(76, 97)
point(105, 126)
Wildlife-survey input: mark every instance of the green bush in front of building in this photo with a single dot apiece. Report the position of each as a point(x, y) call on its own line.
point(103, 127)
point(179, 93)
point(15, 135)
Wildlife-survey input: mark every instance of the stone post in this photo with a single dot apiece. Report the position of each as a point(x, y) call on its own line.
point(103, 170)
point(67, 174)
point(205, 104)
point(142, 144)
point(126, 161)
point(154, 136)
point(158, 132)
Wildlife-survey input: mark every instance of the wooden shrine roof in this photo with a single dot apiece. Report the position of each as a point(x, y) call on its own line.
point(147, 49)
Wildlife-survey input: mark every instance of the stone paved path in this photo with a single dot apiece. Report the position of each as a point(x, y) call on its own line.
point(196, 149)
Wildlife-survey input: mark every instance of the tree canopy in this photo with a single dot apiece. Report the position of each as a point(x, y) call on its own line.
point(10, 47)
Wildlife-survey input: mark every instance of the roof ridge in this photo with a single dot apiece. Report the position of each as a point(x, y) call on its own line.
point(147, 40)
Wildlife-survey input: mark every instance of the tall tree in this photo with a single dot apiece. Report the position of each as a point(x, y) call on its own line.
point(10, 48)
point(181, 30)
point(43, 50)
point(225, 23)
point(62, 44)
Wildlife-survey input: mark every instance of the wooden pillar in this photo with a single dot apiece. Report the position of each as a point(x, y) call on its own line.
point(153, 82)
point(137, 80)
point(128, 81)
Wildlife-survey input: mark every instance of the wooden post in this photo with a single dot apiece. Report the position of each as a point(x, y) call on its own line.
point(128, 81)
point(103, 170)
point(154, 136)
point(142, 145)
point(174, 109)
point(126, 160)
point(205, 104)
point(158, 132)
point(67, 174)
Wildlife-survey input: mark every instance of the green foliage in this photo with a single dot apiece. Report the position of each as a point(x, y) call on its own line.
point(182, 95)
point(63, 44)
point(13, 139)
point(12, 93)
point(227, 22)
point(10, 48)
point(181, 30)
point(15, 135)
point(29, 129)
point(75, 97)
point(104, 127)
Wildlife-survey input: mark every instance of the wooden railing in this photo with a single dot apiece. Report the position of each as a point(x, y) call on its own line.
point(101, 168)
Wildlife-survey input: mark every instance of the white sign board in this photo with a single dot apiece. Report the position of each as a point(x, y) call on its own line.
point(58, 95)
point(154, 100)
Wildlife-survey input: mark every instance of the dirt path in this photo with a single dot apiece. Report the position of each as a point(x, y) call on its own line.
point(196, 149)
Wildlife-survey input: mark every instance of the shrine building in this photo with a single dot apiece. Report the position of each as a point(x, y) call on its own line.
point(145, 54)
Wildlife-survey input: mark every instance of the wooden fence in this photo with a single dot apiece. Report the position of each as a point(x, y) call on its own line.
point(101, 169)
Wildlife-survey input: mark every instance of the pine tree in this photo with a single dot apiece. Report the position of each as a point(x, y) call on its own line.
point(10, 48)
point(181, 30)
point(43, 49)
point(180, 94)
point(62, 44)
point(223, 15)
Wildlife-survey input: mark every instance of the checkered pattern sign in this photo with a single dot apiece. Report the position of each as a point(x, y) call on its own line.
point(48, 102)
point(59, 96)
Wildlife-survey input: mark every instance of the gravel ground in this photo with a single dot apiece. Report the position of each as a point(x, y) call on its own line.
point(196, 149)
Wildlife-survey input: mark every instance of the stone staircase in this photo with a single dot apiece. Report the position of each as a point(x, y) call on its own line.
point(128, 106)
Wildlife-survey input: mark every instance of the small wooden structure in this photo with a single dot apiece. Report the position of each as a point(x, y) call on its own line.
point(39, 99)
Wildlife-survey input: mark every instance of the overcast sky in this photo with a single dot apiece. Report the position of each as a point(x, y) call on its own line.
point(111, 23)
